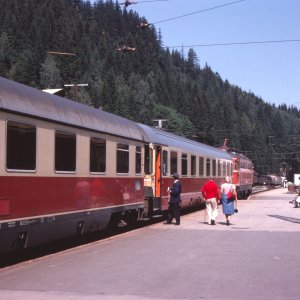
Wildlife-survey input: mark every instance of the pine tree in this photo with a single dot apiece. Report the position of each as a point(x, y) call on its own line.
point(50, 74)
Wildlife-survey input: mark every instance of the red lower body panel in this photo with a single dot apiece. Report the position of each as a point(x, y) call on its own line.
point(31, 196)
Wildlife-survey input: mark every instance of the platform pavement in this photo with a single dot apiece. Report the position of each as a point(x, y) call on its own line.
point(257, 257)
point(271, 212)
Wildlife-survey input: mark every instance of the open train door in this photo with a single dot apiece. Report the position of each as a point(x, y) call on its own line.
point(157, 198)
point(152, 180)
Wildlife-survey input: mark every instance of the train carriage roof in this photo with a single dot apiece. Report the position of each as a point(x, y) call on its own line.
point(164, 138)
point(239, 156)
point(21, 99)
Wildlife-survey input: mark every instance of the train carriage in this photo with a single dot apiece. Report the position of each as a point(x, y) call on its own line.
point(64, 167)
point(195, 162)
point(267, 180)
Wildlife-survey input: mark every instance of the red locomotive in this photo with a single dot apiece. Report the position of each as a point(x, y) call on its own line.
point(242, 172)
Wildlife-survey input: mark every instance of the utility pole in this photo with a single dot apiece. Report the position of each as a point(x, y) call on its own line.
point(160, 122)
point(75, 88)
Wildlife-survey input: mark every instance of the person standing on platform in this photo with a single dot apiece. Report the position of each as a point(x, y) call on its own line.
point(175, 201)
point(229, 198)
point(210, 193)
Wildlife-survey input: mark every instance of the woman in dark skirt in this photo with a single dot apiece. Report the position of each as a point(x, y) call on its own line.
point(229, 197)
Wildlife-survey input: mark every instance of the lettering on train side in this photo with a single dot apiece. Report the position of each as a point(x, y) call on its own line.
point(28, 222)
point(11, 224)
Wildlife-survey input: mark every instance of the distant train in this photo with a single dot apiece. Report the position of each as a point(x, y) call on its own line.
point(67, 169)
point(267, 180)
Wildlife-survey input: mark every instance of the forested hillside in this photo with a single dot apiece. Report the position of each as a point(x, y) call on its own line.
point(149, 83)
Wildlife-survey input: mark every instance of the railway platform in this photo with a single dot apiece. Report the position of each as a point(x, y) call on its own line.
point(257, 257)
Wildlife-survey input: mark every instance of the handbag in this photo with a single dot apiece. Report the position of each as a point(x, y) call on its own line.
point(230, 194)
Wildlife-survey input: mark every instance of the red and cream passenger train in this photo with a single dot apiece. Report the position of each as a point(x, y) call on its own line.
point(67, 169)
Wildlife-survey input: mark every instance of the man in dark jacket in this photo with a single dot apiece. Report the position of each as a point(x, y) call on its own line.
point(174, 203)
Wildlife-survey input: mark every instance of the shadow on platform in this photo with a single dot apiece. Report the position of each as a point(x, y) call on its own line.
point(288, 219)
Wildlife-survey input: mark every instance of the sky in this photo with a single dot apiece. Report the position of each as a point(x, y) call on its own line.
point(270, 70)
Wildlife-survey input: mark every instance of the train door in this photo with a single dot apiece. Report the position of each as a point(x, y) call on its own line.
point(235, 171)
point(152, 180)
point(158, 160)
point(148, 169)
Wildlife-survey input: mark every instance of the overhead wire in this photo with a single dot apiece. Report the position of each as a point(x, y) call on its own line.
point(197, 12)
point(219, 44)
point(236, 43)
point(151, 1)
point(128, 2)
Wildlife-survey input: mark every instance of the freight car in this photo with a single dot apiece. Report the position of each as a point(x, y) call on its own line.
point(276, 180)
point(67, 169)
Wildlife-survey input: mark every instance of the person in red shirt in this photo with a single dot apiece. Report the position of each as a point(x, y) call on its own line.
point(210, 193)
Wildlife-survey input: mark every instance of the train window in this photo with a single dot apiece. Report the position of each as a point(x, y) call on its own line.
point(234, 164)
point(148, 160)
point(122, 158)
point(208, 167)
point(173, 162)
point(229, 169)
point(138, 160)
point(184, 164)
point(219, 168)
point(201, 166)
point(20, 146)
point(237, 165)
point(97, 155)
point(214, 167)
point(65, 151)
point(193, 165)
point(224, 169)
point(165, 163)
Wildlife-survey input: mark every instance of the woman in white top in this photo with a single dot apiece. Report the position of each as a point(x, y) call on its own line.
point(228, 203)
